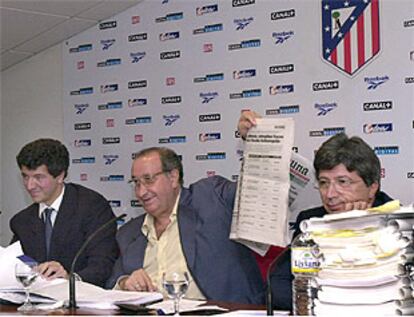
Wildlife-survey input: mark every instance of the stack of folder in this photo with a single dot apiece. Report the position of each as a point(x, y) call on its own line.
point(367, 265)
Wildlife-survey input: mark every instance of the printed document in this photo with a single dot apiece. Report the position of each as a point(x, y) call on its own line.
point(261, 205)
point(56, 291)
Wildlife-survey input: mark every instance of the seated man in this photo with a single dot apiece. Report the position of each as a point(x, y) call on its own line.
point(62, 217)
point(348, 174)
point(183, 230)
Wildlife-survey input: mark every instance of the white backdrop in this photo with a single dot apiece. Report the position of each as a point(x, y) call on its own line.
point(178, 74)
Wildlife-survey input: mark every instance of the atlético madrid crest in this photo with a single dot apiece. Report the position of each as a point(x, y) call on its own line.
point(350, 33)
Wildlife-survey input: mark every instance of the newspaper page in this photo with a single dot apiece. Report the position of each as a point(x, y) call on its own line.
point(303, 193)
point(261, 204)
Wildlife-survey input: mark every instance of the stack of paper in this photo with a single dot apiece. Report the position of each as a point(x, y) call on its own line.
point(367, 262)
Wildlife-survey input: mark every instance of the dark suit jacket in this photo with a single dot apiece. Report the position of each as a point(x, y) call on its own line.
point(281, 278)
point(223, 270)
point(82, 211)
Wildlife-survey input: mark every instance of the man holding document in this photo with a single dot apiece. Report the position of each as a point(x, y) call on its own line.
point(183, 229)
point(348, 177)
point(62, 216)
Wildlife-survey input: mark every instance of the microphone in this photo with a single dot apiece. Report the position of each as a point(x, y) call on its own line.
point(72, 296)
point(269, 296)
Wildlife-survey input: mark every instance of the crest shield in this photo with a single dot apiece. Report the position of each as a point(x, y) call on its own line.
point(350, 33)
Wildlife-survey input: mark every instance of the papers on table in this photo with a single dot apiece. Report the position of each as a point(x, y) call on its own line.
point(8, 261)
point(255, 313)
point(261, 203)
point(194, 306)
point(368, 261)
point(87, 295)
point(186, 305)
point(57, 290)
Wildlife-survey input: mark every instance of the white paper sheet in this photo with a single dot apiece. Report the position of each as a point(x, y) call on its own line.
point(261, 205)
point(8, 256)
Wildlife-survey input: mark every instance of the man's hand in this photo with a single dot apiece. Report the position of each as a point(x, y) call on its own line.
point(246, 121)
point(51, 270)
point(137, 281)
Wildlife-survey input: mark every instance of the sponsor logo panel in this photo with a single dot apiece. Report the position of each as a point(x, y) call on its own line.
point(241, 3)
point(241, 24)
point(206, 9)
point(327, 132)
point(377, 127)
point(109, 159)
point(81, 48)
point(325, 85)
point(374, 82)
point(83, 126)
point(211, 156)
point(170, 17)
point(245, 44)
point(137, 37)
point(209, 117)
point(170, 55)
point(170, 119)
point(109, 62)
point(138, 120)
point(106, 44)
point(377, 105)
point(107, 25)
point(82, 142)
point(82, 91)
point(290, 109)
point(112, 178)
point(281, 89)
point(111, 140)
point(279, 69)
point(386, 150)
point(209, 28)
point(211, 136)
point(325, 108)
point(173, 139)
point(285, 14)
point(84, 160)
point(282, 37)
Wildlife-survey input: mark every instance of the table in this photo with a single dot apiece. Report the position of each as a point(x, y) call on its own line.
point(12, 310)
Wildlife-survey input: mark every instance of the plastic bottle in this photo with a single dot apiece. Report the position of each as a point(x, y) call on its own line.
point(305, 267)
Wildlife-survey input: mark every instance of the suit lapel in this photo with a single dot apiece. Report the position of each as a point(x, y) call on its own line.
point(65, 216)
point(136, 253)
point(187, 226)
point(36, 245)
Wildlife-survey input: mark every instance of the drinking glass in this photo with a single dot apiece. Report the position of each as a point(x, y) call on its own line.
point(176, 285)
point(26, 273)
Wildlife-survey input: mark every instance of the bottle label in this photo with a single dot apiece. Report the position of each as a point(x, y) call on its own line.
point(304, 261)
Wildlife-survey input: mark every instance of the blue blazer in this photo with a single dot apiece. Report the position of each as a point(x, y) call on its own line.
point(223, 270)
point(82, 211)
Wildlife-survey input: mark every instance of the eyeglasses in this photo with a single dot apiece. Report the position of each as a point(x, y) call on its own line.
point(340, 183)
point(146, 180)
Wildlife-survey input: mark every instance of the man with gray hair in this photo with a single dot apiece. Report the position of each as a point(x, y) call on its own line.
point(183, 230)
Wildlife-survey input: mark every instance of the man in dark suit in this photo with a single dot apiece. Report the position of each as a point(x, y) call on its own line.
point(183, 229)
point(348, 174)
point(62, 217)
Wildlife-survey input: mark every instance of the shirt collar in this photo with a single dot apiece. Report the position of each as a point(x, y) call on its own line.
point(148, 225)
point(55, 205)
